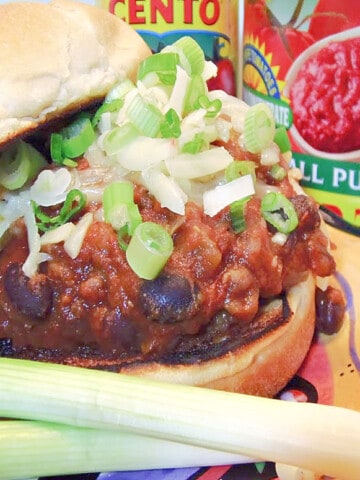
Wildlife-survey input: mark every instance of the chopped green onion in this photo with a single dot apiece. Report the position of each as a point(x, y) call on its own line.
point(259, 128)
point(282, 140)
point(163, 64)
point(193, 53)
point(146, 117)
point(19, 164)
point(237, 216)
point(74, 203)
point(212, 107)
point(111, 106)
point(196, 89)
point(170, 127)
point(72, 141)
point(279, 212)
point(196, 145)
point(149, 249)
point(120, 90)
point(277, 172)
point(119, 137)
point(238, 168)
point(229, 422)
point(119, 207)
point(51, 449)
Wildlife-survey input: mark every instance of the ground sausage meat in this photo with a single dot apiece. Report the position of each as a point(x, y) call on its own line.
point(98, 301)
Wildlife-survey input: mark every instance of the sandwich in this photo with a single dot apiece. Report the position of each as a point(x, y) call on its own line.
point(149, 226)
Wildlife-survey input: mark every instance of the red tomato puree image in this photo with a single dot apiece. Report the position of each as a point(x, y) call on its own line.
point(325, 97)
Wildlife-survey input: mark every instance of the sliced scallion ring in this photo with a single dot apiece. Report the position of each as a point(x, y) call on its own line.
point(163, 64)
point(119, 137)
point(19, 164)
point(259, 128)
point(120, 209)
point(237, 215)
point(149, 249)
point(238, 168)
point(279, 212)
point(145, 116)
point(111, 106)
point(74, 203)
point(72, 141)
point(193, 54)
point(196, 89)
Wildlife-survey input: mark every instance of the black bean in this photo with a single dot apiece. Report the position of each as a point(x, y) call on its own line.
point(169, 298)
point(330, 310)
point(32, 297)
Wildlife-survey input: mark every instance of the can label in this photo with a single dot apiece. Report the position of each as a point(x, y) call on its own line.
point(302, 57)
point(212, 23)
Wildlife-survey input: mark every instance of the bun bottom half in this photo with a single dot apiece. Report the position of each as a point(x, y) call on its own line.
point(259, 361)
point(261, 367)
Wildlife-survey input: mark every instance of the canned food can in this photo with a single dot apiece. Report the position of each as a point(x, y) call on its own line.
point(212, 23)
point(302, 57)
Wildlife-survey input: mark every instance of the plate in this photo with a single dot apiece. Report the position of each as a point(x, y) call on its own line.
point(329, 375)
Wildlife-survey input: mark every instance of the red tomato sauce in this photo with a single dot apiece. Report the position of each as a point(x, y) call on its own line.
point(325, 98)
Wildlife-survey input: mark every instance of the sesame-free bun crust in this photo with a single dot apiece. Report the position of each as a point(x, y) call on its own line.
point(262, 367)
point(57, 58)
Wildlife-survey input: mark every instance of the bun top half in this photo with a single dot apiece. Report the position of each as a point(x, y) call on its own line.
point(57, 58)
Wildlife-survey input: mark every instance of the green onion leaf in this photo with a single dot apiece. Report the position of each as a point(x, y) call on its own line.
point(259, 128)
point(149, 249)
point(75, 201)
point(282, 140)
point(279, 212)
point(119, 90)
point(19, 164)
point(170, 127)
point(146, 117)
point(163, 64)
point(239, 168)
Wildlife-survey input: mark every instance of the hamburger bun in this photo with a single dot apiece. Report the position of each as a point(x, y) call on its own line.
point(58, 58)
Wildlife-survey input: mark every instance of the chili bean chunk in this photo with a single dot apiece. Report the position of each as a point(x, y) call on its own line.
point(32, 297)
point(330, 310)
point(168, 298)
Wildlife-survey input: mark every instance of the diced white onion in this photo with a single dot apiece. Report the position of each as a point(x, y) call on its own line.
point(50, 187)
point(177, 97)
point(223, 195)
point(32, 261)
point(203, 163)
point(73, 243)
point(210, 70)
point(145, 153)
point(59, 234)
point(279, 238)
point(270, 156)
point(165, 190)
